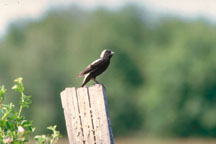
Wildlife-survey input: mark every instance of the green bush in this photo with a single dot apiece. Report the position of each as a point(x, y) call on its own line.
point(14, 128)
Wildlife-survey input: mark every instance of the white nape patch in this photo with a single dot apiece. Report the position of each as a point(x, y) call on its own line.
point(86, 76)
point(102, 54)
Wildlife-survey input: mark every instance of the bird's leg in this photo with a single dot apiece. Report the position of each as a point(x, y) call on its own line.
point(94, 79)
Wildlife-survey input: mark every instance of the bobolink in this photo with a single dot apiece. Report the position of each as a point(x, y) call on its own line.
point(97, 67)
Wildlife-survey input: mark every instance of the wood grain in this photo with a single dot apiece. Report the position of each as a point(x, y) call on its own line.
point(86, 115)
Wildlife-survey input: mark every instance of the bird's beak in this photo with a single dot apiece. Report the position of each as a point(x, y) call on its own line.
point(112, 53)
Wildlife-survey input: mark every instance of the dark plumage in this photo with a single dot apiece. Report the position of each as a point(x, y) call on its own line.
point(97, 67)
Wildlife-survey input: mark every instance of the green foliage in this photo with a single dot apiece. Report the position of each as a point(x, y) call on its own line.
point(161, 81)
point(14, 128)
point(43, 139)
point(2, 92)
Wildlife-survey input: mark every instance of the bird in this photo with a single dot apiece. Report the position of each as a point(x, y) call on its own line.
point(96, 67)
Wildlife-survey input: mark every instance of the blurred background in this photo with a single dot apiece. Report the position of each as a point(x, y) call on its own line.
point(161, 83)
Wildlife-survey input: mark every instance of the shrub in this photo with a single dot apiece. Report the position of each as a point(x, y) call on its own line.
point(14, 128)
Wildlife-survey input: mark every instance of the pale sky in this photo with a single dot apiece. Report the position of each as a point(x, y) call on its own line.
point(11, 10)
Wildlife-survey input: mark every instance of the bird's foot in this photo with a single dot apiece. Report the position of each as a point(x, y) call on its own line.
point(103, 85)
point(96, 82)
point(99, 84)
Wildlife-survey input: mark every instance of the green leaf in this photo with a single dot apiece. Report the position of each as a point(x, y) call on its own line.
point(14, 128)
point(2, 93)
point(18, 85)
point(18, 80)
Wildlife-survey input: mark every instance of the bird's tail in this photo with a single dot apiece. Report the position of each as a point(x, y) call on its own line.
point(80, 74)
point(86, 79)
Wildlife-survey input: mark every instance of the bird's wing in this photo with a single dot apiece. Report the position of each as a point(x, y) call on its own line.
point(94, 65)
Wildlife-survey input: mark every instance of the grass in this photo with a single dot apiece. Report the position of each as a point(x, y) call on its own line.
point(127, 140)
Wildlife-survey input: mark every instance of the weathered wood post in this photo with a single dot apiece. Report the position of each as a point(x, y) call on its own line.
point(86, 115)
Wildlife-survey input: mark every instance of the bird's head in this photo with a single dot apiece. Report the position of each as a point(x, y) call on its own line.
point(106, 54)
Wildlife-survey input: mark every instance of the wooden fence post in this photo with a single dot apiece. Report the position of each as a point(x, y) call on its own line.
point(86, 115)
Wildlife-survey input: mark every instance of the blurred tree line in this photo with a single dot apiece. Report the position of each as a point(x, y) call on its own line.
point(161, 81)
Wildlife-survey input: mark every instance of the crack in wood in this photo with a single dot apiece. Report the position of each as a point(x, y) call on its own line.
point(91, 115)
point(86, 115)
point(79, 115)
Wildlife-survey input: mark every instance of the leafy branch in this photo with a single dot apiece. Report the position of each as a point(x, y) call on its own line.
point(14, 128)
